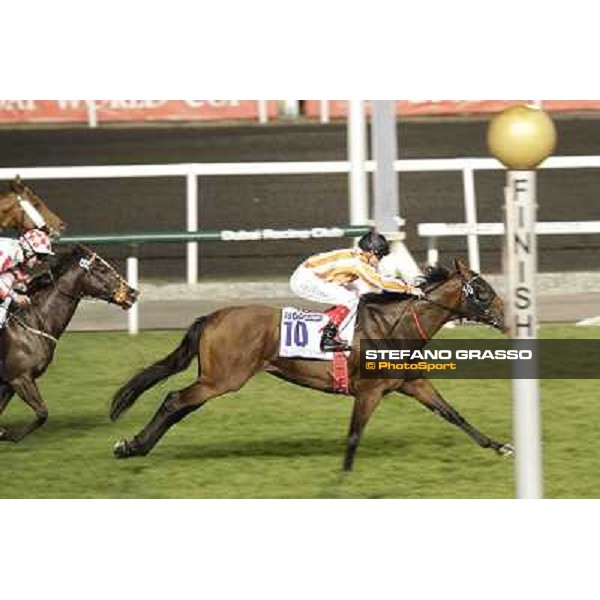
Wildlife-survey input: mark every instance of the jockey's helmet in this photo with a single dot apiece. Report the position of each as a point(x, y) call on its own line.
point(35, 241)
point(374, 242)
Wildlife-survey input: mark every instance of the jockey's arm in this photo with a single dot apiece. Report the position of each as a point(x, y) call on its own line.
point(12, 283)
point(386, 284)
point(7, 291)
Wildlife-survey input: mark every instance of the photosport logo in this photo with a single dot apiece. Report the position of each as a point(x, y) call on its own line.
point(480, 359)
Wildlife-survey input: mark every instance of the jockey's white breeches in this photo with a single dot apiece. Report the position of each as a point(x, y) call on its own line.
point(7, 281)
point(306, 284)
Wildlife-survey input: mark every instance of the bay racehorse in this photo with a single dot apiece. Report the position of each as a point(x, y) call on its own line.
point(21, 209)
point(29, 338)
point(234, 343)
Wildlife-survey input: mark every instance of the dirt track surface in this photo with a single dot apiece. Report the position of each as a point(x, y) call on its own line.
point(179, 314)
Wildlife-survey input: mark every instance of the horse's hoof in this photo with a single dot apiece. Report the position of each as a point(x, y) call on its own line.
point(122, 449)
point(506, 450)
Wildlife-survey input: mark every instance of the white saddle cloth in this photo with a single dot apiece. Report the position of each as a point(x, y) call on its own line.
point(301, 332)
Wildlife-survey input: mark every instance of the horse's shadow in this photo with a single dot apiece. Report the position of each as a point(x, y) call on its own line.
point(74, 424)
point(283, 448)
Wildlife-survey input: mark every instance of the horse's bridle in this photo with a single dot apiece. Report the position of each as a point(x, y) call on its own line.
point(86, 264)
point(479, 308)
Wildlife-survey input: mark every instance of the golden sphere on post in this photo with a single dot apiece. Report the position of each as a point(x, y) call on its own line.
point(521, 137)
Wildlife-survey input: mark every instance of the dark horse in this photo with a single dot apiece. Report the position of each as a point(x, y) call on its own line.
point(29, 338)
point(16, 210)
point(232, 344)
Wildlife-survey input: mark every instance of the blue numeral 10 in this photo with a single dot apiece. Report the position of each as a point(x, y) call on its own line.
point(300, 333)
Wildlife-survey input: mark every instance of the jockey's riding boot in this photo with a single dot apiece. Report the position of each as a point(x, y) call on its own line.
point(330, 342)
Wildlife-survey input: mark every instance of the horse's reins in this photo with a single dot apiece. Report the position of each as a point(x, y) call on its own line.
point(86, 265)
point(415, 317)
point(33, 330)
point(466, 288)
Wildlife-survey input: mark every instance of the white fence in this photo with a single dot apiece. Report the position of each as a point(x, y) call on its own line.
point(192, 171)
point(432, 231)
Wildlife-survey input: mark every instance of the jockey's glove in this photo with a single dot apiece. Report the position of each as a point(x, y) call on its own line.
point(420, 281)
point(21, 300)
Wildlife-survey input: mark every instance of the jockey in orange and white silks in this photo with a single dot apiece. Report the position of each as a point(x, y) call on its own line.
point(340, 277)
point(14, 255)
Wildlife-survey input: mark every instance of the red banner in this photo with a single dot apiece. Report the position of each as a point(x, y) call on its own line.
point(78, 111)
point(74, 111)
point(339, 108)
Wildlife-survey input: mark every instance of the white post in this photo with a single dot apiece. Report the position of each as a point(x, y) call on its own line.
point(357, 145)
point(324, 111)
point(263, 112)
point(471, 219)
point(386, 201)
point(433, 256)
point(521, 257)
point(192, 226)
point(291, 108)
point(133, 315)
point(92, 113)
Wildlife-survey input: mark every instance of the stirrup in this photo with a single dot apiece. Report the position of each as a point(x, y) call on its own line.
point(334, 346)
point(330, 342)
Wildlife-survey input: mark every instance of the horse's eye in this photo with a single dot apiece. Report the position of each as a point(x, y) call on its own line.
point(483, 296)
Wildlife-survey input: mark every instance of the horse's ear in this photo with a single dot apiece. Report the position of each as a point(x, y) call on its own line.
point(461, 267)
point(17, 185)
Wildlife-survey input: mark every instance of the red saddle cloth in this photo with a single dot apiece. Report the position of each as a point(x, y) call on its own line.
point(339, 373)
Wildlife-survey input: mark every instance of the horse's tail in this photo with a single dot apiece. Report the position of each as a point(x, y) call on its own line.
point(177, 361)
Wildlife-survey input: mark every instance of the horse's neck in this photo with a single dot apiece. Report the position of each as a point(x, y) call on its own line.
point(448, 298)
point(427, 318)
point(55, 306)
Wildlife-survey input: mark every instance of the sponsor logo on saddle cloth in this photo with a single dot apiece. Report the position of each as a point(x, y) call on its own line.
point(301, 332)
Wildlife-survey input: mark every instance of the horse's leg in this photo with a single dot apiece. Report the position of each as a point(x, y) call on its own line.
point(426, 394)
point(28, 391)
point(175, 407)
point(365, 402)
point(225, 365)
point(6, 393)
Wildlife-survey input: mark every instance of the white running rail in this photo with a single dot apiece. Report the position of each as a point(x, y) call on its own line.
point(433, 231)
point(191, 171)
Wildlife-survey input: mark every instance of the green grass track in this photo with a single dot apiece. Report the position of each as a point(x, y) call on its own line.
point(276, 440)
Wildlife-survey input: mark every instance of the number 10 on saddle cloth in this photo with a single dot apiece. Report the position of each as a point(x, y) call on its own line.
point(301, 333)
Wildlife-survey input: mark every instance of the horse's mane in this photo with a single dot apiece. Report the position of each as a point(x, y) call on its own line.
point(436, 274)
point(56, 267)
point(432, 275)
